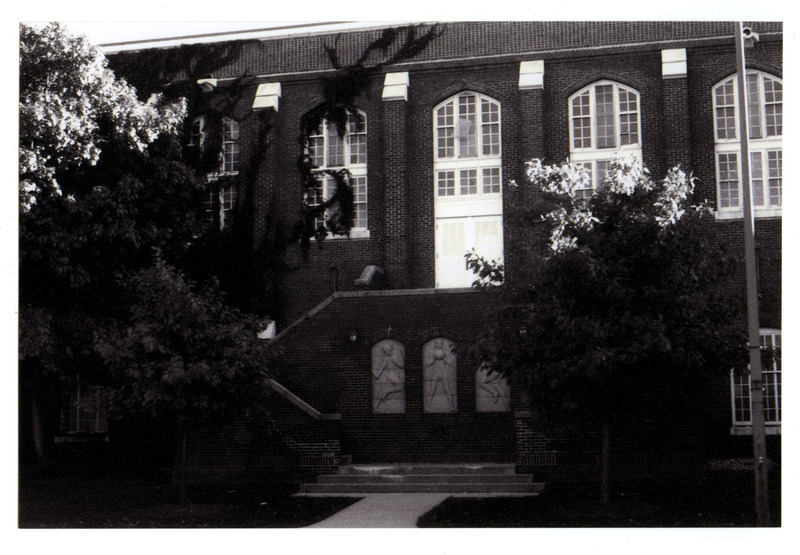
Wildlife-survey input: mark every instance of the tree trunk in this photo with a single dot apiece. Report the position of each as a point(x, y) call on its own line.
point(605, 466)
point(37, 429)
point(179, 461)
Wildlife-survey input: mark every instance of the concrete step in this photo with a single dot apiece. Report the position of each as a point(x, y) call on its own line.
point(425, 478)
point(414, 469)
point(531, 488)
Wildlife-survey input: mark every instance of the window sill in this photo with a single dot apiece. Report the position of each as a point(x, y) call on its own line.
point(747, 430)
point(81, 437)
point(218, 175)
point(354, 234)
point(739, 214)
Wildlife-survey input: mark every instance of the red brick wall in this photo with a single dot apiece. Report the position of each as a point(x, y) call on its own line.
point(677, 127)
point(322, 367)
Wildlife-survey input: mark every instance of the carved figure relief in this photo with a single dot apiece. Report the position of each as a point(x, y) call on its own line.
point(439, 376)
point(388, 377)
point(492, 393)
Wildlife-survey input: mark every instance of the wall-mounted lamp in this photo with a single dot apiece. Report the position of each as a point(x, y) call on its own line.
point(750, 37)
point(523, 330)
point(353, 337)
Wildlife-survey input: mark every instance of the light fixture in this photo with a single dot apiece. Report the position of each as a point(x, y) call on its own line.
point(353, 337)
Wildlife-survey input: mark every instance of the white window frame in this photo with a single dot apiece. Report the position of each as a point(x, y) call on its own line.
point(353, 160)
point(593, 157)
point(766, 151)
point(87, 410)
point(487, 166)
point(741, 402)
point(476, 175)
point(227, 195)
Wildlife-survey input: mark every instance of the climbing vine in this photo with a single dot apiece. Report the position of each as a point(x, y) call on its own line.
point(395, 45)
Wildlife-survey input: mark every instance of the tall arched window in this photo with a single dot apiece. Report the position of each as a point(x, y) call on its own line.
point(604, 125)
point(765, 114)
point(467, 185)
point(328, 150)
point(221, 199)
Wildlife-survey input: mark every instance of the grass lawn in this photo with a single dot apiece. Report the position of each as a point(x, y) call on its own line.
point(716, 499)
point(125, 502)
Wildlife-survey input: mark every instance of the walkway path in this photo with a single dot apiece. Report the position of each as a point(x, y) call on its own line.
point(384, 510)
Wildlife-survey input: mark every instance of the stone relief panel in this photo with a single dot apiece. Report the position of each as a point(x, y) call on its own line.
point(388, 377)
point(492, 393)
point(439, 376)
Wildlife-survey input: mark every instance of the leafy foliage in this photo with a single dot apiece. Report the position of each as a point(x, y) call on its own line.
point(101, 186)
point(183, 353)
point(622, 308)
point(69, 99)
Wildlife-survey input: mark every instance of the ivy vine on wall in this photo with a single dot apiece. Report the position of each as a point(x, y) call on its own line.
point(395, 45)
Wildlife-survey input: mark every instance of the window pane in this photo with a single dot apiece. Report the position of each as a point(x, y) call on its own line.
point(491, 180)
point(230, 146)
point(467, 132)
point(488, 238)
point(445, 131)
point(357, 138)
point(628, 118)
point(773, 107)
point(587, 191)
point(469, 182)
point(754, 105)
point(335, 146)
point(446, 183)
point(360, 202)
point(227, 201)
point(490, 114)
point(581, 122)
point(741, 398)
point(315, 150)
point(775, 169)
point(725, 111)
point(453, 241)
point(757, 178)
point(728, 180)
point(602, 170)
point(604, 116)
point(198, 134)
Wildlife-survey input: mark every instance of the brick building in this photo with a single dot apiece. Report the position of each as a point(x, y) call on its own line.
point(364, 321)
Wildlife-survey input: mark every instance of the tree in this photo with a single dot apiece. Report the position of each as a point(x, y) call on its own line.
point(621, 310)
point(99, 187)
point(183, 355)
point(70, 103)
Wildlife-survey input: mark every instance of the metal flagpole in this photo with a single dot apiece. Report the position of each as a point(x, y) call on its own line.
point(754, 335)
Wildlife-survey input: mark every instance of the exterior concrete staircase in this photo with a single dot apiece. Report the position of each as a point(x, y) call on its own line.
point(425, 478)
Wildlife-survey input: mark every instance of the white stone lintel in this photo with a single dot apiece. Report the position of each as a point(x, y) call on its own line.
point(395, 86)
point(531, 75)
point(673, 63)
point(267, 96)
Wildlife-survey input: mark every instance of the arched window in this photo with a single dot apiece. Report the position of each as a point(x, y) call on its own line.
point(221, 199)
point(604, 125)
point(467, 185)
point(765, 114)
point(328, 150)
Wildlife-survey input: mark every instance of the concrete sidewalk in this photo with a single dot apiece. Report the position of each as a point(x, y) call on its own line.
point(384, 510)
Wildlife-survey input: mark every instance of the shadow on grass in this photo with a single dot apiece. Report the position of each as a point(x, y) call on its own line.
point(122, 501)
point(717, 499)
